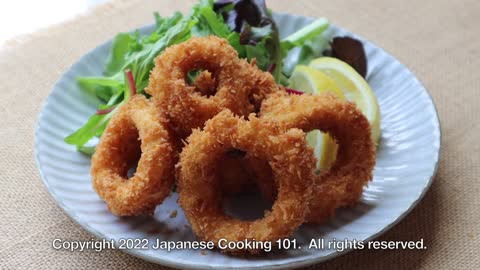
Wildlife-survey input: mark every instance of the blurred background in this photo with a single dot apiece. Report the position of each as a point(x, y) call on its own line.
point(19, 17)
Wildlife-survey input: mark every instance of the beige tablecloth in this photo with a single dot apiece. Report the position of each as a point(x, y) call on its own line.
point(438, 39)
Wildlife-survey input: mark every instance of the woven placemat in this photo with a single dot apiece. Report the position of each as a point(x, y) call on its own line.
point(437, 39)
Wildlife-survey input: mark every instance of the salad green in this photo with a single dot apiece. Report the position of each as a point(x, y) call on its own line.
point(247, 25)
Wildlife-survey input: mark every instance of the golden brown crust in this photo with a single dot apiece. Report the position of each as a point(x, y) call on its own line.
point(137, 130)
point(273, 146)
point(200, 194)
point(240, 86)
point(343, 183)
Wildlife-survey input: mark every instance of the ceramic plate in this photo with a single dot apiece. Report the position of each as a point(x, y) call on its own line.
point(406, 162)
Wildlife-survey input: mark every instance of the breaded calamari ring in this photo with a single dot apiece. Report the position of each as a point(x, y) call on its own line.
point(200, 194)
point(342, 185)
point(240, 86)
point(137, 130)
point(232, 168)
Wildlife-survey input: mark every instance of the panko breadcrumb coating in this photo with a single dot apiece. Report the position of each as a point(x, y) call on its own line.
point(200, 193)
point(342, 185)
point(137, 130)
point(240, 86)
point(229, 148)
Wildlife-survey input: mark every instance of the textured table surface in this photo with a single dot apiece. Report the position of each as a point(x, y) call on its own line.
point(437, 39)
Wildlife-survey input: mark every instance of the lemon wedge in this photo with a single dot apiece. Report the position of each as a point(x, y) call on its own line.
point(313, 81)
point(328, 74)
point(354, 87)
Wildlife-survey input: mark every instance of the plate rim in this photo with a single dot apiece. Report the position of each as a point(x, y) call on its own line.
point(292, 265)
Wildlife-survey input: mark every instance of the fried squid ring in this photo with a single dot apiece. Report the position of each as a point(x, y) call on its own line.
point(240, 86)
point(342, 185)
point(137, 130)
point(200, 193)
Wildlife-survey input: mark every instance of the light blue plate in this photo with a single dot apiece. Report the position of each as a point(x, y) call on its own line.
point(406, 162)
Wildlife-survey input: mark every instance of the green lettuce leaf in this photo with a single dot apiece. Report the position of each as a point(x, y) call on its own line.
point(247, 25)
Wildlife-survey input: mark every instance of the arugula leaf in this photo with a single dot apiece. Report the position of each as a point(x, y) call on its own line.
point(211, 23)
point(89, 130)
point(116, 58)
point(163, 24)
point(101, 87)
point(88, 150)
point(126, 54)
point(246, 24)
point(137, 53)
